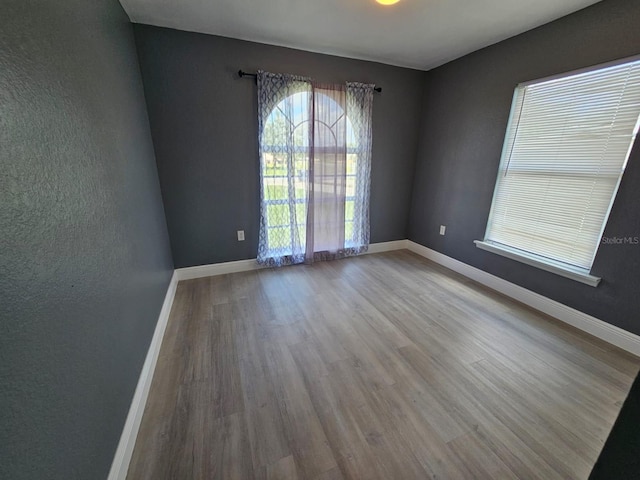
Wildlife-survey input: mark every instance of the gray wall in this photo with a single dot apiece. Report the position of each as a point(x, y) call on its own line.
point(466, 108)
point(84, 257)
point(204, 125)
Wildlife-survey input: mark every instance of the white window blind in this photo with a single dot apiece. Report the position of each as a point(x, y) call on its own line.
point(566, 147)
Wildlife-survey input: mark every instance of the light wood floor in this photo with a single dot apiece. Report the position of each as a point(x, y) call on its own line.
point(378, 367)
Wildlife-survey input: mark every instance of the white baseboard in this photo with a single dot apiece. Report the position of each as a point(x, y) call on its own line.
point(122, 457)
point(387, 246)
point(596, 327)
point(189, 273)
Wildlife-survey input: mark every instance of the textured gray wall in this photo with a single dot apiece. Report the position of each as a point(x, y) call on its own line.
point(85, 258)
point(466, 108)
point(204, 125)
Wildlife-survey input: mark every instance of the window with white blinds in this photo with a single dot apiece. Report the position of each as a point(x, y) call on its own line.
point(566, 148)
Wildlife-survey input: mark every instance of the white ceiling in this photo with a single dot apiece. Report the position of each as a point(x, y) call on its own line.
point(413, 33)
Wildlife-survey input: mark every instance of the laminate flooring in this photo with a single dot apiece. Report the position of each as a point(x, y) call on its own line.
point(383, 366)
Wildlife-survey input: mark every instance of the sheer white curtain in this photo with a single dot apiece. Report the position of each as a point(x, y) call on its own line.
point(315, 163)
point(327, 173)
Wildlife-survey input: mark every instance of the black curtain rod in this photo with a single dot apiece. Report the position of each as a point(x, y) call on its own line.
point(242, 74)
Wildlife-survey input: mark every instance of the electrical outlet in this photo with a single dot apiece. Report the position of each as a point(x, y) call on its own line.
point(241, 235)
point(443, 229)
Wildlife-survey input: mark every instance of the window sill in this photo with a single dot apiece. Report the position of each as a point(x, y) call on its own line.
point(577, 274)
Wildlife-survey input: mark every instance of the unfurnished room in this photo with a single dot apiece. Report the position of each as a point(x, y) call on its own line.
point(319, 240)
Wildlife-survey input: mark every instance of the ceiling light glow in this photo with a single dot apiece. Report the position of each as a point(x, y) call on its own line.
point(387, 2)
